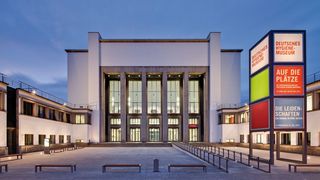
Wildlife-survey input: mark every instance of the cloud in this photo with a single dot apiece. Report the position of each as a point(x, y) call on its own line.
point(57, 88)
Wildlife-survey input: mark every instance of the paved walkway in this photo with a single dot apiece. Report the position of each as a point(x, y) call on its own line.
point(90, 160)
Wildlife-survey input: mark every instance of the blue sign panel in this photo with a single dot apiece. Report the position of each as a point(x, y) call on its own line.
point(288, 113)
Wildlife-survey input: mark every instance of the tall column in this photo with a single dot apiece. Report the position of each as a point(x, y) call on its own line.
point(144, 120)
point(164, 108)
point(123, 111)
point(206, 108)
point(185, 115)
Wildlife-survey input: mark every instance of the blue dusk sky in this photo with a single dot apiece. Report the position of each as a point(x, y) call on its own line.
point(34, 33)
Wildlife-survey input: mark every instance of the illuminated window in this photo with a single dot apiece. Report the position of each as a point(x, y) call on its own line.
point(134, 134)
point(114, 97)
point(80, 119)
point(173, 121)
point(259, 138)
point(309, 102)
point(154, 121)
point(135, 121)
point(154, 96)
point(115, 134)
point(244, 117)
point(193, 121)
point(194, 102)
point(173, 134)
point(193, 134)
point(115, 121)
point(134, 97)
point(229, 119)
point(173, 95)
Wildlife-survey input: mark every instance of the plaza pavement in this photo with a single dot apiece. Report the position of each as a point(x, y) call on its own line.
point(89, 162)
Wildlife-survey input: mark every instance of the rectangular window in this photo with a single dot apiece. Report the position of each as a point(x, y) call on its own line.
point(52, 139)
point(154, 134)
point(193, 121)
point(41, 112)
point(80, 119)
point(173, 96)
point(286, 138)
point(115, 134)
point(308, 138)
point(173, 134)
point(61, 118)
point(194, 99)
point(135, 97)
point(154, 96)
point(309, 102)
point(134, 134)
point(1, 101)
point(115, 121)
point(244, 117)
point(114, 97)
point(61, 139)
point(229, 119)
point(41, 139)
point(173, 121)
point(68, 139)
point(27, 108)
point(52, 114)
point(68, 118)
point(193, 134)
point(241, 138)
point(135, 121)
point(28, 139)
point(154, 121)
point(259, 138)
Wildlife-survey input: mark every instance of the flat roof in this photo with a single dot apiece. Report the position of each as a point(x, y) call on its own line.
point(155, 40)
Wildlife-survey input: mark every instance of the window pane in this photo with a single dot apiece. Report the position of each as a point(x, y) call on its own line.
point(154, 134)
point(134, 97)
point(115, 134)
point(173, 121)
point(134, 121)
point(154, 121)
point(173, 134)
point(193, 134)
point(154, 96)
point(114, 96)
point(134, 134)
point(115, 121)
point(173, 96)
point(193, 93)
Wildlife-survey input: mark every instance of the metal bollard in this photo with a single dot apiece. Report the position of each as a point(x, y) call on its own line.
point(156, 165)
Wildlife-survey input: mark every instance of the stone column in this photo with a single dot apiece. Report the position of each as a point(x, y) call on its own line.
point(185, 115)
point(164, 108)
point(123, 110)
point(144, 120)
point(206, 125)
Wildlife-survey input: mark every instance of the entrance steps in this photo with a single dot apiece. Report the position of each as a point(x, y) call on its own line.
point(130, 144)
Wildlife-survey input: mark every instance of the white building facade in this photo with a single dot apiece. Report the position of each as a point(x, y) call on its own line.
point(154, 90)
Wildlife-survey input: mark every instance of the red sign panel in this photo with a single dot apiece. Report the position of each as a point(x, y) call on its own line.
point(288, 80)
point(259, 113)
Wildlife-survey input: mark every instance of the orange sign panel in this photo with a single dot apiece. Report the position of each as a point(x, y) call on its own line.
point(288, 80)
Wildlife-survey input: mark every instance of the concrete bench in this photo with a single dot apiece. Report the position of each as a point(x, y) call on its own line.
point(120, 165)
point(72, 167)
point(18, 156)
point(5, 166)
point(57, 150)
point(204, 167)
point(301, 165)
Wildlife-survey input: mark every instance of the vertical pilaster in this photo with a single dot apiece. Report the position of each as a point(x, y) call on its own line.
point(164, 108)
point(144, 120)
point(123, 111)
point(185, 115)
point(206, 108)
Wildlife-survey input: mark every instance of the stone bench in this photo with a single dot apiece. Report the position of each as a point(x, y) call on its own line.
point(301, 165)
point(204, 167)
point(18, 156)
point(5, 166)
point(120, 165)
point(72, 167)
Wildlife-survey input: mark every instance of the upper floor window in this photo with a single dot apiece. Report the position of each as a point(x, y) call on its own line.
point(1, 101)
point(68, 117)
point(154, 96)
point(80, 119)
point(173, 95)
point(27, 108)
point(134, 97)
point(309, 102)
point(52, 114)
point(134, 121)
point(193, 121)
point(115, 121)
point(41, 112)
point(154, 121)
point(114, 96)
point(244, 117)
point(61, 116)
point(194, 103)
point(229, 119)
point(173, 121)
